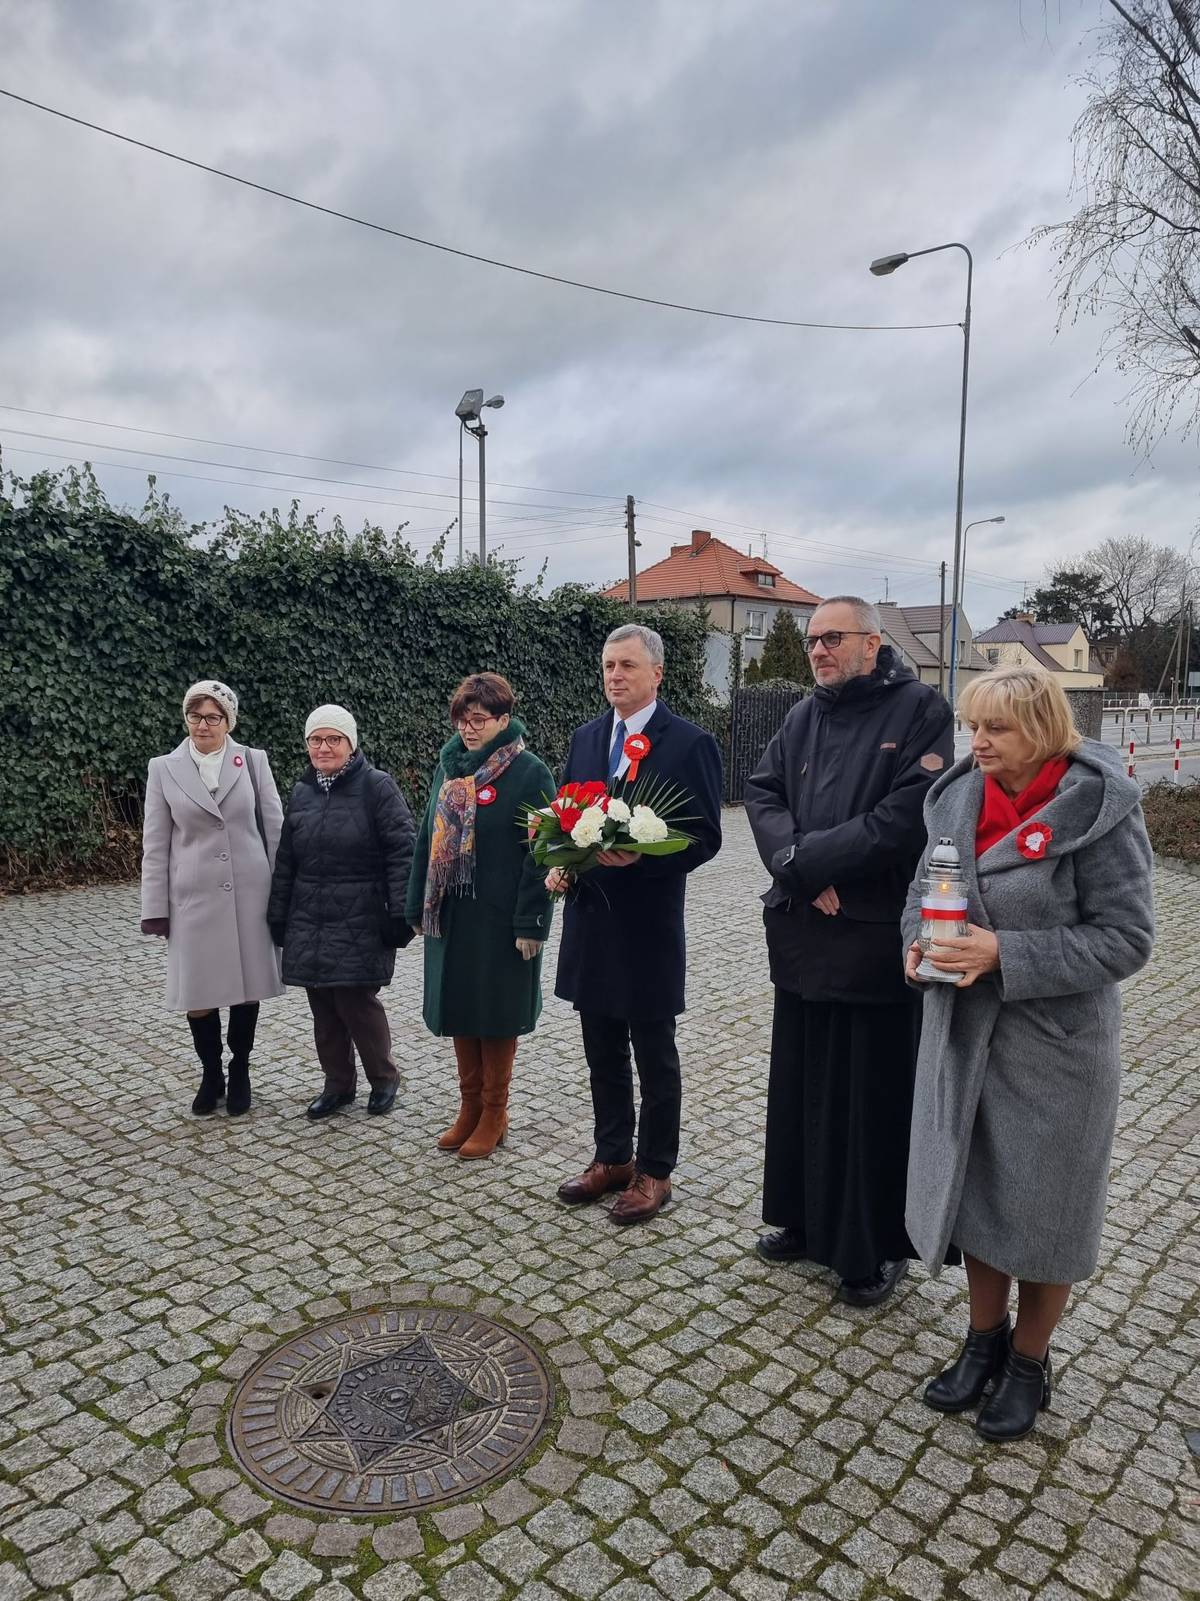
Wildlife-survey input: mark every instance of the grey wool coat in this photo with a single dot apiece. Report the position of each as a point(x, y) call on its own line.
point(1018, 1074)
point(205, 866)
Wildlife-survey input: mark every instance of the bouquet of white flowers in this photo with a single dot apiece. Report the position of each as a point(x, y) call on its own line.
point(584, 819)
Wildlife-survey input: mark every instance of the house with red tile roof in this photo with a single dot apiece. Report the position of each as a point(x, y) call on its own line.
point(742, 592)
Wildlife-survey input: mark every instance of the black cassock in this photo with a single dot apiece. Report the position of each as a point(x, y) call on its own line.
point(837, 800)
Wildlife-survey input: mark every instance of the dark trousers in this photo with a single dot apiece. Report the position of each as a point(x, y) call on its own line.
point(606, 1045)
point(345, 1016)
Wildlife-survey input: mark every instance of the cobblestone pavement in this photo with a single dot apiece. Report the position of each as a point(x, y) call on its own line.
point(721, 1429)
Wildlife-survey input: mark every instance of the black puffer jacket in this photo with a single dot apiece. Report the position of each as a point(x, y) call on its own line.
point(836, 800)
point(341, 874)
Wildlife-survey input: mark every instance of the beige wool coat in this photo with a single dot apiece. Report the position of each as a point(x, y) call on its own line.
point(206, 868)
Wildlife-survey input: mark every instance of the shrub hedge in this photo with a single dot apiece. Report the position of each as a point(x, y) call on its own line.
point(1173, 819)
point(108, 615)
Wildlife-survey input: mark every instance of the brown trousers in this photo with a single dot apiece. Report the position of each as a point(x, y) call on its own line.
point(345, 1016)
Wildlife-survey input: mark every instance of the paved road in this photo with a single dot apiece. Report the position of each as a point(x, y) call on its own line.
point(723, 1431)
point(1155, 764)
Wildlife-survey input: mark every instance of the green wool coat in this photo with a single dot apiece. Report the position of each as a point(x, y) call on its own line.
point(476, 983)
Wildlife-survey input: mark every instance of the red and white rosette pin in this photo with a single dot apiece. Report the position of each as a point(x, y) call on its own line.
point(485, 794)
point(637, 748)
point(1032, 840)
point(237, 762)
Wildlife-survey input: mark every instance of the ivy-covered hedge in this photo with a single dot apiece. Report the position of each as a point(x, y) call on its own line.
point(108, 615)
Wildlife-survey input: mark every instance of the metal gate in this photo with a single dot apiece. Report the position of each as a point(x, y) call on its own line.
point(755, 716)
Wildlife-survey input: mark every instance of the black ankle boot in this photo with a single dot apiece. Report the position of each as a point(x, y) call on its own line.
point(239, 1036)
point(1022, 1391)
point(239, 1088)
point(964, 1381)
point(206, 1037)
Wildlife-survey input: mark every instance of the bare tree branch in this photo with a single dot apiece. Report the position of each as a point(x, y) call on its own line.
point(1131, 252)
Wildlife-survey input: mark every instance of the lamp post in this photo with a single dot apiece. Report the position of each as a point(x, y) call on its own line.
point(979, 522)
point(881, 267)
point(469, 412)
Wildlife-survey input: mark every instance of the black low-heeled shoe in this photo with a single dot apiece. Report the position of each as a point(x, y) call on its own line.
point(962, 1384)
point(327, 1103)
point(1022, 1391)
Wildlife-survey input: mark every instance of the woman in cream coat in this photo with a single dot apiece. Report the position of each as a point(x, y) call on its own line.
point(211, 828)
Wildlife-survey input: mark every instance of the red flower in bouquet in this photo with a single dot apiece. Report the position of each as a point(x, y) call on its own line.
point(573, 800)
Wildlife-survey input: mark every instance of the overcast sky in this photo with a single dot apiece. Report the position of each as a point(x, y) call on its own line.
point(750, 156)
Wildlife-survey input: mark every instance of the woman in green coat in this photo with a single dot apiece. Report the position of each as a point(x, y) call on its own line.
point(479, 898)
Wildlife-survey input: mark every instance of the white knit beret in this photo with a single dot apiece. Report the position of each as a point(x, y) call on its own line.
point(336, 717)
point(213, 689)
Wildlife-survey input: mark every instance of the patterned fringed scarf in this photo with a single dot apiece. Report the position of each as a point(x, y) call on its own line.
point(452, 846)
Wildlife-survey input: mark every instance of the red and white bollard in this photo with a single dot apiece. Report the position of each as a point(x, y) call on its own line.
point(1178, 780)
point(1130, 767)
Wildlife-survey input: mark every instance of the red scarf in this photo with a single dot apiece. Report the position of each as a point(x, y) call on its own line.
point(1000, 814)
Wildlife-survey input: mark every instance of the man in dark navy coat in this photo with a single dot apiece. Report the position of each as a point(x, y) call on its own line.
point(622, 958)
point(836, 810)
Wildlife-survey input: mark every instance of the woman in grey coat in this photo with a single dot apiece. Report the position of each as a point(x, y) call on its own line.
point(1019, 1067)
point(211, 827)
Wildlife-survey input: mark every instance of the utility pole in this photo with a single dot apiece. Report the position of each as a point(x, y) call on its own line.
point(634, 545)
point(942, 639)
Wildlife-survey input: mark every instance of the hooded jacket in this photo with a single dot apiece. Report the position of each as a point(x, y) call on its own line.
point(836, 800)
point(1019, 1073)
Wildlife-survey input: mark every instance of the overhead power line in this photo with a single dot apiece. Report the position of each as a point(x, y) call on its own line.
point(466, 255)
point(539, 525)
point(297, 455)
point(312, 478)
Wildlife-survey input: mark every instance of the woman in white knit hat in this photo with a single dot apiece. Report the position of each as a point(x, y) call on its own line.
point(337, 906)
point(211, 827)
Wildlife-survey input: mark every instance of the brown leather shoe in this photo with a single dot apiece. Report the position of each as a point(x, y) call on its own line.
point(597, 1179)
point(644, 1198)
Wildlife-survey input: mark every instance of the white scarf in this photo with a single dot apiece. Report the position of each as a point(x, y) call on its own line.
point(208, 765)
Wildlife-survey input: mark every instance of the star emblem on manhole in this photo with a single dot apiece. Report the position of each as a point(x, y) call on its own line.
point(401, 1398)
point(395, 1408)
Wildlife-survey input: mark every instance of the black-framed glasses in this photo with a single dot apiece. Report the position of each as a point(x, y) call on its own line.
point(209, 719)
point(315, 741)
point(832, 638)
point(475, 724)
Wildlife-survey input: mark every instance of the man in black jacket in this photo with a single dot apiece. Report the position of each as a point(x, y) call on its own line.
point(835, 806)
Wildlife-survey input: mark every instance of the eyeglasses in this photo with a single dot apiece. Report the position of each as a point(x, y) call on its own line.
point(832, 638)
point(210, 719)
point(315, 741)
point(475, 724)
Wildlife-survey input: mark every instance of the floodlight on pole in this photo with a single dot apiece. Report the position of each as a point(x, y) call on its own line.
point(881, 267)
point(469, 412)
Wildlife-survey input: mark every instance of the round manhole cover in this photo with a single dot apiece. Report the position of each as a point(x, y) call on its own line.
point(396, 1409)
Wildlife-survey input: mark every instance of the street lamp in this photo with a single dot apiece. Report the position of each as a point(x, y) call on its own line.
point(469, 412)
point(881, 267)
point(979, 522)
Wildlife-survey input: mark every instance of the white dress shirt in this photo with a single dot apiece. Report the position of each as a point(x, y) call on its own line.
point(635, 723)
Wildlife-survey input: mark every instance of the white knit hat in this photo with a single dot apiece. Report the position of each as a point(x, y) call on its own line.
point(333, 717)
point(213, 689)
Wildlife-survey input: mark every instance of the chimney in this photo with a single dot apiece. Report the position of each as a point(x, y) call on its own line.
point(1021, 617)
point(700, 538)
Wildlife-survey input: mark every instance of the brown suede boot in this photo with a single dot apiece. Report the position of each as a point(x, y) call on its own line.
point(470, 1089)
point(497, 1076)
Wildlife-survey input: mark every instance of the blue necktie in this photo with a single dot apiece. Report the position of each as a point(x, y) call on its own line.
point(617, 751)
